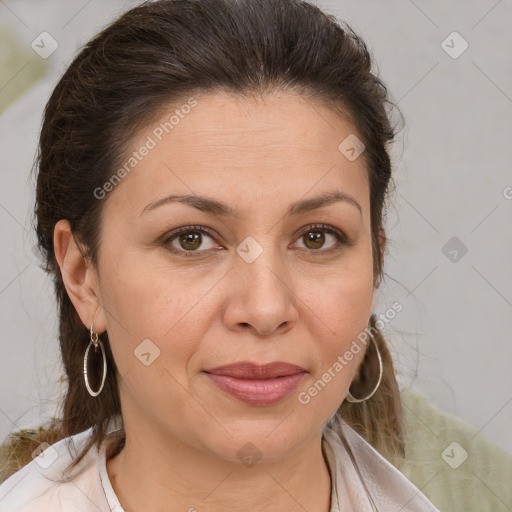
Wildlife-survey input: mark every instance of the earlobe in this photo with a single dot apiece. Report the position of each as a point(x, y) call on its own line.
point(79, 277)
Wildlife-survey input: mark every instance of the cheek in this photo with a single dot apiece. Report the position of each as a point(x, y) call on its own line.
point(155, 322)
point(342, 298)
point(345, 313)
point(148, 302)
point(338, 349)
point(338, 308)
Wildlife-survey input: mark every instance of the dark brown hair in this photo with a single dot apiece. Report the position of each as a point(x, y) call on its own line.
point(151, 57)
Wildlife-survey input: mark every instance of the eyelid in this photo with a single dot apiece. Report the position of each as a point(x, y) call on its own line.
point(169, 236)
point(341, 237)
point(323, 227)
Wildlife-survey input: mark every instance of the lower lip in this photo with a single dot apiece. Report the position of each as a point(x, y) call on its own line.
point(257, 391)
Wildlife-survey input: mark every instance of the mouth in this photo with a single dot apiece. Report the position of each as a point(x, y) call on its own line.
point(256, 384)
point(249, 370)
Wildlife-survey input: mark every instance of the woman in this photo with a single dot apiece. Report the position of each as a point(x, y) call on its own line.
point(211, 183)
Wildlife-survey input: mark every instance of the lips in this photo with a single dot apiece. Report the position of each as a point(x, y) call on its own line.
point(256, 384)
point(248, 370)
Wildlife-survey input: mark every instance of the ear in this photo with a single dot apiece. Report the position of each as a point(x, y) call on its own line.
point(381, 240)
point(79, 277)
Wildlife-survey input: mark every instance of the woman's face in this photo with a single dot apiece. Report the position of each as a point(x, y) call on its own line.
point(244, 283)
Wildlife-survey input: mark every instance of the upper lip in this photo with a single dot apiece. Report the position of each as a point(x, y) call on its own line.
point(249, 370)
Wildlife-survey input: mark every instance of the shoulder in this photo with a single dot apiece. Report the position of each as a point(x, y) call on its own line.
point(464, 470)
point(41, 485)
point(363, 472)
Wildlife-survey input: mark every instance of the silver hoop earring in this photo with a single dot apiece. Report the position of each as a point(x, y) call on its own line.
point(351, 398)
point(95, 341)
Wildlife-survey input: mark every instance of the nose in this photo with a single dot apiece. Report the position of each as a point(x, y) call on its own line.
point(260, 297)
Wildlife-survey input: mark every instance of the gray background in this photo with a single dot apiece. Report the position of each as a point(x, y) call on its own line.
point(452, 340)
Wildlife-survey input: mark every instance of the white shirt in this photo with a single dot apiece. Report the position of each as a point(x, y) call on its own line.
point(30, 489)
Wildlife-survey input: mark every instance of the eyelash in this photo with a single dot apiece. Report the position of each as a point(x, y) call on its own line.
point(339, 235)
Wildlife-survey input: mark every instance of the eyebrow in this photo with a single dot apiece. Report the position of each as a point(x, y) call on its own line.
point(209, 205)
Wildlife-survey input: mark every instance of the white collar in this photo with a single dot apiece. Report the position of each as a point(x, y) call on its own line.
point(386, 485)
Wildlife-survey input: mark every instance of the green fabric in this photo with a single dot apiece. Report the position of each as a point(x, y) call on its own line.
point(472, 474)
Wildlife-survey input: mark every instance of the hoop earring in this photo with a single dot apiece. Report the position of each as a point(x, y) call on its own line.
point(351, 398)
point(95, 341)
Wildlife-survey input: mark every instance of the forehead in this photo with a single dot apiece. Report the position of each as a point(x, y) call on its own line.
point(274, 121)
point(230, 143)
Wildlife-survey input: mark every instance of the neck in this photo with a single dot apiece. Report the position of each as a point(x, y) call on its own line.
point(146, 476)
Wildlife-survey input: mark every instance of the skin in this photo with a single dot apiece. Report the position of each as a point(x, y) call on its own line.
point(296, 302)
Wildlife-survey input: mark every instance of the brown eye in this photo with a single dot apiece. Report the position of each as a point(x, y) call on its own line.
point(315, 238)
point(190, 241)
